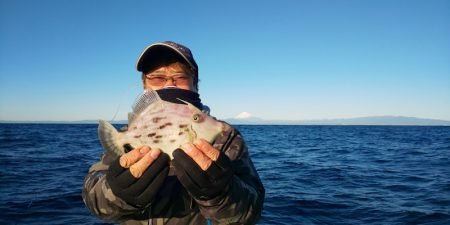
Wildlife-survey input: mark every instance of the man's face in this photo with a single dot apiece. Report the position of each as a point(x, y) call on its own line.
point(175, 74)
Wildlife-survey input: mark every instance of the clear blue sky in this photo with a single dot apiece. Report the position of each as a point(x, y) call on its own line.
point(297, 60)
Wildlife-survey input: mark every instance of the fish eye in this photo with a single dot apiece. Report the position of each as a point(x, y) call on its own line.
point(196, 117)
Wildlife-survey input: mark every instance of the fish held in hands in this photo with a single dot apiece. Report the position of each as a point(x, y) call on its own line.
point(159, 124)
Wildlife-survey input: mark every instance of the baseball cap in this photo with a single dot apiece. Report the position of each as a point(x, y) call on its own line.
point(161, 49)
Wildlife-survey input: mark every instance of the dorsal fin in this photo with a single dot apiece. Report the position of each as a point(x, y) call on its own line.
point(148, 97)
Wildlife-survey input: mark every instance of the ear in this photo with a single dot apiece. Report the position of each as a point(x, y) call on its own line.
point(143, 81)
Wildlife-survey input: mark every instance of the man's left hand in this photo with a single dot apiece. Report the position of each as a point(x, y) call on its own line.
point(203, 170)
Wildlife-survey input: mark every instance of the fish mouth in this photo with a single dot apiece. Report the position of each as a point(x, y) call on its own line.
point(220, 125)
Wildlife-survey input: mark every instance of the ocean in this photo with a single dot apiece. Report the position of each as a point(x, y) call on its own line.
point(312, 174)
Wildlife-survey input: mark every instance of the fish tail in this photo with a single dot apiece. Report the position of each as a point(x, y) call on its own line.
point(108, 136)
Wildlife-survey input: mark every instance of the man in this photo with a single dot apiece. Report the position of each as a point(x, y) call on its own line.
point(203, 184)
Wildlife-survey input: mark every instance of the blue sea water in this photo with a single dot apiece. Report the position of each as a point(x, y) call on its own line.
point(312, 174)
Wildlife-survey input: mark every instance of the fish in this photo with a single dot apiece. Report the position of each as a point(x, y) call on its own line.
point(159, 124)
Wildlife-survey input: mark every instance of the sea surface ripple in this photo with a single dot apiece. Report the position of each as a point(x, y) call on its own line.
point(312, 174)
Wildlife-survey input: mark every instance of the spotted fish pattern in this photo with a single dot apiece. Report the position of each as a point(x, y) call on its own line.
point(159, 124)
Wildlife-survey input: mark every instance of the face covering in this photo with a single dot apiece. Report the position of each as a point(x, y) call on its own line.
point(171, 94)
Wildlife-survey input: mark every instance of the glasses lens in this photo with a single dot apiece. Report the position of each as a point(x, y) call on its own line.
point(157, 80)
point(181, 79)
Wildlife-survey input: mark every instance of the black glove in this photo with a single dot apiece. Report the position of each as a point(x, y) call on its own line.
point(203, 185)
point(138, 192)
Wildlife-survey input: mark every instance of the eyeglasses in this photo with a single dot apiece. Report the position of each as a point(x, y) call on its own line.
point(160, 80)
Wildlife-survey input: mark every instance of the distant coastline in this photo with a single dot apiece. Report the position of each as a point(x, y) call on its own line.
point(58, 122)
point(367, 121)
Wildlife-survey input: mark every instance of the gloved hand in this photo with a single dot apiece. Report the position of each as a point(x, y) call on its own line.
point(141, 191)
point(203, 184)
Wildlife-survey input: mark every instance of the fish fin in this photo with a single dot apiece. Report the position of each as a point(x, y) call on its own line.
point(108, 138)
point(191, 107)
point(148, 97)
point(131, 117)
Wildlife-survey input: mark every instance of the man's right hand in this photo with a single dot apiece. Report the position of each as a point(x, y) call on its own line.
point(137, 176)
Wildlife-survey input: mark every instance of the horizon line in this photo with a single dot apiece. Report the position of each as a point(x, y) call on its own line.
point(368, 121)
point(242, 119)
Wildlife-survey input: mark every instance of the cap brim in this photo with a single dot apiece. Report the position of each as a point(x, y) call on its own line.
point(157, 50)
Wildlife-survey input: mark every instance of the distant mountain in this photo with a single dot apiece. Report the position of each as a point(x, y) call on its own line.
point(245, 118)
point(372, 120)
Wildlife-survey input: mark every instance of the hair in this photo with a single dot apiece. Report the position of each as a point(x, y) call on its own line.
point(166, 59)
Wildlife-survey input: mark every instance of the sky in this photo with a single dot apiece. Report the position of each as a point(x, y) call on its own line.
point(286, 59)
